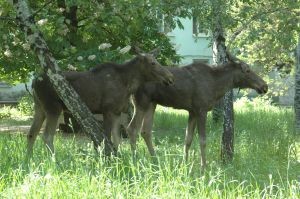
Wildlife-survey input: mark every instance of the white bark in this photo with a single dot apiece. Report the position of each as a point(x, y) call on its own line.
point(66, 92)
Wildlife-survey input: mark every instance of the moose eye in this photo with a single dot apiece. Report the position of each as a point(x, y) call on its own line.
point(152, 63)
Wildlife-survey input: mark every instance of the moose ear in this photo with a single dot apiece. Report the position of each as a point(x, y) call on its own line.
point(141, 56)
point(155, 52)
point(245, 67)
point(137, 50)
point(231, 58)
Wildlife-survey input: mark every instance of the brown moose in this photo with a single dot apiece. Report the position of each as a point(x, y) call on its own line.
point(196, 88)
point(105, 89)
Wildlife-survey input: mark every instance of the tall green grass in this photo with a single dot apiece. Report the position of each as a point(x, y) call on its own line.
point(265, 165)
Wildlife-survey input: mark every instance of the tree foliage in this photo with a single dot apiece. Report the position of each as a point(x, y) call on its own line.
point(268, 32)
point(264, 32)
point(75, 30)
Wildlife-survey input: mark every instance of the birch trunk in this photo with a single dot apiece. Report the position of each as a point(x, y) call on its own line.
point(297, 89)
point(227, 148)
point(219, 57)
point(65, 91)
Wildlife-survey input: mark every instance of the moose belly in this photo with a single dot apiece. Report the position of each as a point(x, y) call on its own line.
point(175, 101)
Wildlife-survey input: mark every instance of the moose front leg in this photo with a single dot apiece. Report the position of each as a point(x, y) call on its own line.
point(189, 134)
point(147, 128)
point(201, 123)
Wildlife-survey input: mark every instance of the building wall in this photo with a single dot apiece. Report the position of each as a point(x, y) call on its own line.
point(190, 46)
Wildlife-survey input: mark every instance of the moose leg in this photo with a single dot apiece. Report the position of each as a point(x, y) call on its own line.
point(134, 127)
point(48, 136)
point(189, 134)
point(116, 138)
point(38, 119)
point(147, 128)
point(108, 126)
point(201, 123)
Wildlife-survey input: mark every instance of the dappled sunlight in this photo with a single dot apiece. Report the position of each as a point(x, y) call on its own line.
point(245, 104)
point(170, 110)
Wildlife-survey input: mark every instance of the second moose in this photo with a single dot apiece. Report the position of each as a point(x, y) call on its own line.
point(197, 88)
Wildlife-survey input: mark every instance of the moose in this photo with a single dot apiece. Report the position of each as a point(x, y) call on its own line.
point(196, 88)
point(105, 89)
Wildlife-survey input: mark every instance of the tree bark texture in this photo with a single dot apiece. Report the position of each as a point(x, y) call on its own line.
point(49, 65)
point(227, 149)
point(297, 89)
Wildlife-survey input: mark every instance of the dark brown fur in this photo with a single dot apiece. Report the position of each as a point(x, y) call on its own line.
point(197, 87)
point(105, 89)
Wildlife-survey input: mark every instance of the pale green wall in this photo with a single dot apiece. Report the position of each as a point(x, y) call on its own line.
point(189, 46)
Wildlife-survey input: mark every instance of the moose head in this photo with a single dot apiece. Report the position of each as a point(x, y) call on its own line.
point(245, 77)
point(153, 71)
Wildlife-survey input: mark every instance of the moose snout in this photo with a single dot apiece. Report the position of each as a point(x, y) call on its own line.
point(263, 89)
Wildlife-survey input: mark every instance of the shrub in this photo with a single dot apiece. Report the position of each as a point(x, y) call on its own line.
point(5, 112)
point(25, 105)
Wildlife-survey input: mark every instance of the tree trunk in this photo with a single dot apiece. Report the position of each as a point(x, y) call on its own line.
point(297, 89)
point(65, 91)
point(227, 148)
point(218, 58)
point(219, 53)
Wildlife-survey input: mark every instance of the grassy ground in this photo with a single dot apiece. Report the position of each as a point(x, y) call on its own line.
point(266, 162)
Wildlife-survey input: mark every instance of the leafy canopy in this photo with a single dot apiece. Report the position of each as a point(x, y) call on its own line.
point(262, 32)
point(82, 33)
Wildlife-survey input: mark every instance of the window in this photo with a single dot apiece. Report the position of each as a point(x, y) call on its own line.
point(198, 30)
point(163, 26)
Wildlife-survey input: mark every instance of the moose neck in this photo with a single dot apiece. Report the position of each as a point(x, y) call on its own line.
point(224, 80)
point(132, 77)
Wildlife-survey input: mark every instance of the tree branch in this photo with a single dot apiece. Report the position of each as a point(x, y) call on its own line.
point(26, 87)
point(39, 10)
point(247, 23)
point(7, 18)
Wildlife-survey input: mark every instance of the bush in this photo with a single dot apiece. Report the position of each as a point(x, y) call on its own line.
point(5, 112)
point(25, 105)
point(246, 104)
